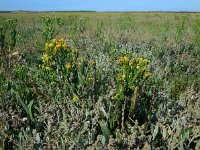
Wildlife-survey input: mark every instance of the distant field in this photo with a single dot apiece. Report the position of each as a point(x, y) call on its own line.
point(144, 24)
point(105, 80)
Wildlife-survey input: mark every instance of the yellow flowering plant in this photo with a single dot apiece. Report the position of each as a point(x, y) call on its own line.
point(132, 72)
point(57, 54)
point(130, 77)
point(59, 60)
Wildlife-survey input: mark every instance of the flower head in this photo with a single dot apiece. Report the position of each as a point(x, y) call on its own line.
point(47, 68)
point(75, 98)
point(145, 61)
point(55, 50)
point(126, 59)
point(146, 75)
point(58, 45)
point(68, 66)
point(46, 57)
point(54, 40)
point(120, 60)
point(46, 46)
point(121, 77)
point(61, 40)
point(50, 45)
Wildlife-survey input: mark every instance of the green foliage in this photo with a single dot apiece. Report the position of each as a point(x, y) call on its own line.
point(2, 34)
point(197, 34)
point(125, 23)
point(52, 27)
point(12, 25)
point(8, 33)
point(181, 29)
point(113, 82)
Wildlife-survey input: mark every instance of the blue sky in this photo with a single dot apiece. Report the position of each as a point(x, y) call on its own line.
point(102, 5)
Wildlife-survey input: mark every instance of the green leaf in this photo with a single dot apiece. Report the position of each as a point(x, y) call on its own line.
point(18, 97)
point(30, 110)
point(155, 132)
point(105, 130)
point(134, 100)
point(164, 133)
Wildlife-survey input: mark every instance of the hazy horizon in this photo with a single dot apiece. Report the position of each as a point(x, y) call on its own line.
point(101, 6)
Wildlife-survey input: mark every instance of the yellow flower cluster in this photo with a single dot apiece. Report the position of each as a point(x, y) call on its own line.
point(58, 55)
point(51, 49)
point(130, 69)
point(75, 98)
point(47, 68)
point(46, 57)
point(146, 75)
point(46, 47)
point(123, 59)
point(50, 45)
point(141, 63)
point(55, 45)
point(54, 41)
point(68, 66)
point(90, 79)
point(121, 77)
point(142, 60)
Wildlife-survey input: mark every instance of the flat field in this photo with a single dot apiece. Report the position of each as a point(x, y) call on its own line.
point(91, 80)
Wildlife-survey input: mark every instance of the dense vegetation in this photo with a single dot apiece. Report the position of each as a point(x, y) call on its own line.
point(100, 80)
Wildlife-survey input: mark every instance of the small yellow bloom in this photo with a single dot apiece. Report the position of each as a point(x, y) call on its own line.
point(47, 68)
point(46, 48)
point(116, 96)
point(138, 66)
point(58, 45)
point(61, 40)
point(145, 61)
point(54, 40)
point(50, 45)
point(121, 77)
point(126, 59)
point(90, 79)
point(46, 57)
point(68, 66)
point(55, 50)
point(140, 59)
point(121, 59)
point(75, 98)
point(144, 68)
point(146, 75)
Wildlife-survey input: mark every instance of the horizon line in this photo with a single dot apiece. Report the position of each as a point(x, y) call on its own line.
point(174, 11)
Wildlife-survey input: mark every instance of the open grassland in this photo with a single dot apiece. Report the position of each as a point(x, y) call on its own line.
point(99, 80)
